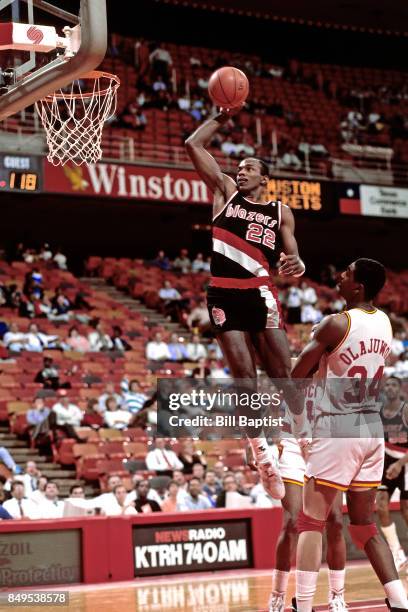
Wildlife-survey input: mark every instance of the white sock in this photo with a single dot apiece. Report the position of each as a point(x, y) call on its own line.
point(306, 583)
point(262, 451)
point(280, 582)
point(336, 581)
point(391, 536)
point(396, 594)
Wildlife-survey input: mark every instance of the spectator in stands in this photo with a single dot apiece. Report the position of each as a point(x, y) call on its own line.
point(98, 339)
point(117, 504)
point(198, 469)
point(195, 349)
point(180, 479)
point(39, 426)
point(67, 415)
point(202, 370)
point(60, 260)
point(397, 344)
point(4, 515)
point(177, 349)
point(159, 84)
point(61, 308)
point(115, 417)
point(105, 500)
point(77, 492)
point(309, 295)
point(51, 507)
point(198, 264)
point(293, 304)
point(184, 102)
point(310, 314)
point(182, 262)
point(161, 62)
point(229, 486)
point(189, 456)
point(109, 392)
point(290, 160)
point(118, 341)
point(48, 376)
point(162, 460)
point(92, 417)
point(133, 398)
point(45, 253)
point(143, 504)
point(152, 493)
point(161, 261)
point(8, 461)
point(19, 507)
point(199, 317)
point(37, 341)
point(4, 495)
point(219, 470)
point(171, 300)
point(212, 488)
point(400, 367)
point(77, 342)
point(14, 340)
point(170, 504)
point(30, 478)
point(157, 350)
point(195, 500)
point(38, 495)
point(216, 371)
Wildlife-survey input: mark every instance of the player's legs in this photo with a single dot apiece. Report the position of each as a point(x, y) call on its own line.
point(286, 546)
point(336, 554)
point(404, 509)
point(317, 502)
point(361, 504)
point(388, 527)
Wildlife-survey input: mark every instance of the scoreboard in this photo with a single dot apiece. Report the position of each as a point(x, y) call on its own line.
point(22, 173)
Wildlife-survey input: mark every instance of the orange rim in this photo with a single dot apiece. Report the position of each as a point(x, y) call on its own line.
point(93, 75)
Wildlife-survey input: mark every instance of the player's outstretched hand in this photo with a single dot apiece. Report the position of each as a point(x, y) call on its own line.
point(394, 470)
point(291, 265)
point(230, 112)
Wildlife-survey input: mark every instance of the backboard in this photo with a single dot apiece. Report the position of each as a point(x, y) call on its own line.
point(44, 47)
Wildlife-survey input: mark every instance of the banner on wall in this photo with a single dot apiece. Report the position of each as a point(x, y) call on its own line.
point(373, 200)
point(207, 546)
point(34, 558)
point(127, 181)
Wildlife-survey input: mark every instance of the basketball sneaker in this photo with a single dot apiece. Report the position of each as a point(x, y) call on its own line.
point(400, 560)
point(277, 602)
point(337, 603)
point(269, 473)
point(391, 609)
point(293, 608)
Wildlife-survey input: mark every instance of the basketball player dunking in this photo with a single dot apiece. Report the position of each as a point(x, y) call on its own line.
point(347, 348)
point(250, 237)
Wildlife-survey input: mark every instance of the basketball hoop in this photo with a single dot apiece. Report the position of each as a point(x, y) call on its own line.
point(73, 117)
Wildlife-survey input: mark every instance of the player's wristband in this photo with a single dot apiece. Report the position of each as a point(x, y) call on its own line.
point(300, 273)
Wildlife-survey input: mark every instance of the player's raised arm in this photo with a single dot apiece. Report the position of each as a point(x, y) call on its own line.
point(328, 335)
point(291, 264)
point(220, 184)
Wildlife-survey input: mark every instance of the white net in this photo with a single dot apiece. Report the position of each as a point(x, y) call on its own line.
point(73, 118)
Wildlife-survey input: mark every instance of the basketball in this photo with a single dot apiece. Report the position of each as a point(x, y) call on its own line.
point(228, 87)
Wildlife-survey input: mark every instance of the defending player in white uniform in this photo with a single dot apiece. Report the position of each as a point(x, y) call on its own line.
point(347, 450)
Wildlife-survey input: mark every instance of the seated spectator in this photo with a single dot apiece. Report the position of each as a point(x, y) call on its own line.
point(15, 340)
point(293, 304)
point(30, 478)
point(171, 300)
point(219, 470)
point(216, 371)
point(182, 262)
point(39, 426)
point(198, 469)
point(161, 62)
point(60, 260)
point(18, 506)
point(105, 500)
point(195, 500)
point(162, 460)
point(77, 342)
point(50, 507)
point(198, 264)
point(157, 350)
point(290, 160)
point(161, 261)
point(196, 350)
point(67, 416)
point(4, 495)
point(159, 84)
point(117, 505)
point(310, 314)
point(212, 488)
point(151, 494)
point(133, 399)
point(8, 461)
point(177, 349)
point(48, 376)
point(92, 417)
point(76, 492)
point(61, 308)
point(114, 416)
point(229, 485)
point(37, 341)
point(181, 482)
point(98, 339)
point(199, 317)
point(400, 367)
point(45, 253)
point(118, 342)
point(184, 103)
point(189, 456)
point(171, 504)
point(109, 392)
point(309, 295)
point(202, 370)
point(38, 495)
point(143, 504)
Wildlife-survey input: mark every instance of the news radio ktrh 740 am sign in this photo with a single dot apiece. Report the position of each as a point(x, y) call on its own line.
point(172, 549)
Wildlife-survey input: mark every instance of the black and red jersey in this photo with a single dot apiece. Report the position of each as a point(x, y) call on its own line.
point(395, 433)
point(246, 243)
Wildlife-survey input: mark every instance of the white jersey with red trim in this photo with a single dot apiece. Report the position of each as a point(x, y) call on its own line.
point(349, 377)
